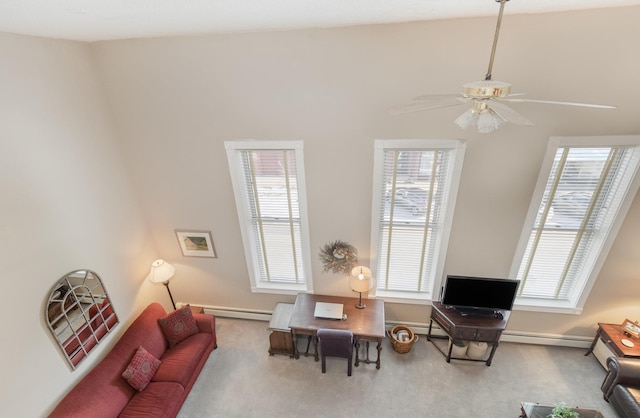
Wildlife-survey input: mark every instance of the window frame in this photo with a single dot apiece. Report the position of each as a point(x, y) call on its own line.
point(234, 154)
point(584, 286)
point(458, 148)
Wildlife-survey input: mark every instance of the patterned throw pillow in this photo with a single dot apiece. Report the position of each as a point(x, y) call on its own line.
point(178, 325)
point(141, 369)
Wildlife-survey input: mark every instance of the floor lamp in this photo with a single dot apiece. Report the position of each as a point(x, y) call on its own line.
point(162, 272)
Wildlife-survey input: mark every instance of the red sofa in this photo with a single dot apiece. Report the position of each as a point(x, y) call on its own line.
point(103, 392)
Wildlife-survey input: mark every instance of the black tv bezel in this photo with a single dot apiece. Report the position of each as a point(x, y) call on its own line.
point(471, 308)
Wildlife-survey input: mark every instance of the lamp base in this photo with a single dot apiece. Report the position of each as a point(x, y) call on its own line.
point(360, 305)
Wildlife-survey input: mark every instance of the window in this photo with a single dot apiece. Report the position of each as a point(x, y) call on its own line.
point(268, 182)
point(415, 187)
point(582, 196)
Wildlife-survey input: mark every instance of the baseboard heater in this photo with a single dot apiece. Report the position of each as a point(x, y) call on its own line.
point(421, 328)
point(226, 312)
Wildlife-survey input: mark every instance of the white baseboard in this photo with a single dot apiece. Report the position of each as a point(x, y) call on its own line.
point(421, 328)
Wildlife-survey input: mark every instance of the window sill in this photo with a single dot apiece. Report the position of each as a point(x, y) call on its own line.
point(279, 288)
point(408, 298)
point(532, 305)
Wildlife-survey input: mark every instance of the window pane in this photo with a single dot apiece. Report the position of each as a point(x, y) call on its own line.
point(270, 204)
point(414, 189)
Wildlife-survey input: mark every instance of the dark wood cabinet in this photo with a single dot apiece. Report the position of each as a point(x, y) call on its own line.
point(457, 326)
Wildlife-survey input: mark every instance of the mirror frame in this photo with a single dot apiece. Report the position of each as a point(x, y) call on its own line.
point(79, 314)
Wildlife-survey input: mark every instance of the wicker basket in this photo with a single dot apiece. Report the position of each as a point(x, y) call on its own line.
point(402, 347)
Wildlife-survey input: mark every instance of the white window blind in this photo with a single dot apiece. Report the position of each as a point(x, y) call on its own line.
point(581, 205)
point(269, 189)
point(413, 204)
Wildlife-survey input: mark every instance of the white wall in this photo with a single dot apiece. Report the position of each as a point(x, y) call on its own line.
point(176, 100)
point(66, 203)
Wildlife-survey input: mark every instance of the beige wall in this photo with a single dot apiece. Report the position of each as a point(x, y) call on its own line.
point(176, 101)
point(89, 130)
point(66, 203)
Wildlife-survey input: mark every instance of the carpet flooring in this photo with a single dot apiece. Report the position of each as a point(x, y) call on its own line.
point(240, 379)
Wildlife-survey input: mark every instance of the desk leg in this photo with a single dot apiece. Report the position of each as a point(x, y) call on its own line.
point(315, 345)
point(357, 341)
point(429, 333)
point(593, 343)
point(449, 352)
point(294, 338)
point(379, 350)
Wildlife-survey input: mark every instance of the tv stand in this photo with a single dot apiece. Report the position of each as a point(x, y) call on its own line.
point(484, 313)
point(466, 327)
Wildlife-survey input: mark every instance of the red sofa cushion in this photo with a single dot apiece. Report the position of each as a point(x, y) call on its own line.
point(178, 325)
point(180, 362)
point(141, 369)
point(158, 400)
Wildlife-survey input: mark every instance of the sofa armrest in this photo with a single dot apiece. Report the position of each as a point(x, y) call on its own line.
point(206, 323)
point(622, 371)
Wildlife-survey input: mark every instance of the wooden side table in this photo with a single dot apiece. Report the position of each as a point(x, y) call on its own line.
point(280, 341)
point(608, 342)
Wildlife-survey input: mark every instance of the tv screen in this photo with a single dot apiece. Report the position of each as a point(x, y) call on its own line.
point(479, 293)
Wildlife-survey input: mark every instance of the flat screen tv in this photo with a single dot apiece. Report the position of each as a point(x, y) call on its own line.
point(479, 295)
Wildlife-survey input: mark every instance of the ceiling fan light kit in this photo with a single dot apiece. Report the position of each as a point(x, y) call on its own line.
point(482, 117)
point(487, 97)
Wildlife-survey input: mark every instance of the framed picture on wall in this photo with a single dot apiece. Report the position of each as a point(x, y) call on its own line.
point(196, 243)
point(631, 328)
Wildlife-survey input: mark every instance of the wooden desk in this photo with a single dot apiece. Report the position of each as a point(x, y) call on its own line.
point(611, 336)
point(366, 324)
point(466, 327)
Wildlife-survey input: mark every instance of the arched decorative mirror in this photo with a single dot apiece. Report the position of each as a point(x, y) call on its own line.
point(79, 314)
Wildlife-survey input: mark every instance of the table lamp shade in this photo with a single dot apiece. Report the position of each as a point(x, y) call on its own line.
point(360, 285)
point(361, 279)
point(161, 271)
point(361, 282)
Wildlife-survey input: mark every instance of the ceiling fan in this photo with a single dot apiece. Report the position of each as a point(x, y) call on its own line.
point(488, 110)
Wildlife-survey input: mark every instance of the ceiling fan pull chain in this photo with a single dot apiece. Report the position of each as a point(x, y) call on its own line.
point(495, 39)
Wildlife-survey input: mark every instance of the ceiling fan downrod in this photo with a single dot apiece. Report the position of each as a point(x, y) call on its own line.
point(495, 39)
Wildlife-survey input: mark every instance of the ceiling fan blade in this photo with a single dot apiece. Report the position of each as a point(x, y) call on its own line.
point(559, 103)
point(419, 106)
point(508, 114)
point(438, 97)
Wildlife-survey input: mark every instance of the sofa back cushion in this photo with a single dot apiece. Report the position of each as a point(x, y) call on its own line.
point(178, 325)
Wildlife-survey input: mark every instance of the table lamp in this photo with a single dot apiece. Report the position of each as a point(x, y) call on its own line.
point(360, 282)
point(162, 272)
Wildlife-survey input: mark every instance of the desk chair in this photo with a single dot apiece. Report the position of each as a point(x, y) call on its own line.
point(335, 343)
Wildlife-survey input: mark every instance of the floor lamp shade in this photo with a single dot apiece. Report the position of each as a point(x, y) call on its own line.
point(162, 272)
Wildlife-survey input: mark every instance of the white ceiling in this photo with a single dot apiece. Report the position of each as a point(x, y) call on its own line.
point(94, 20)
